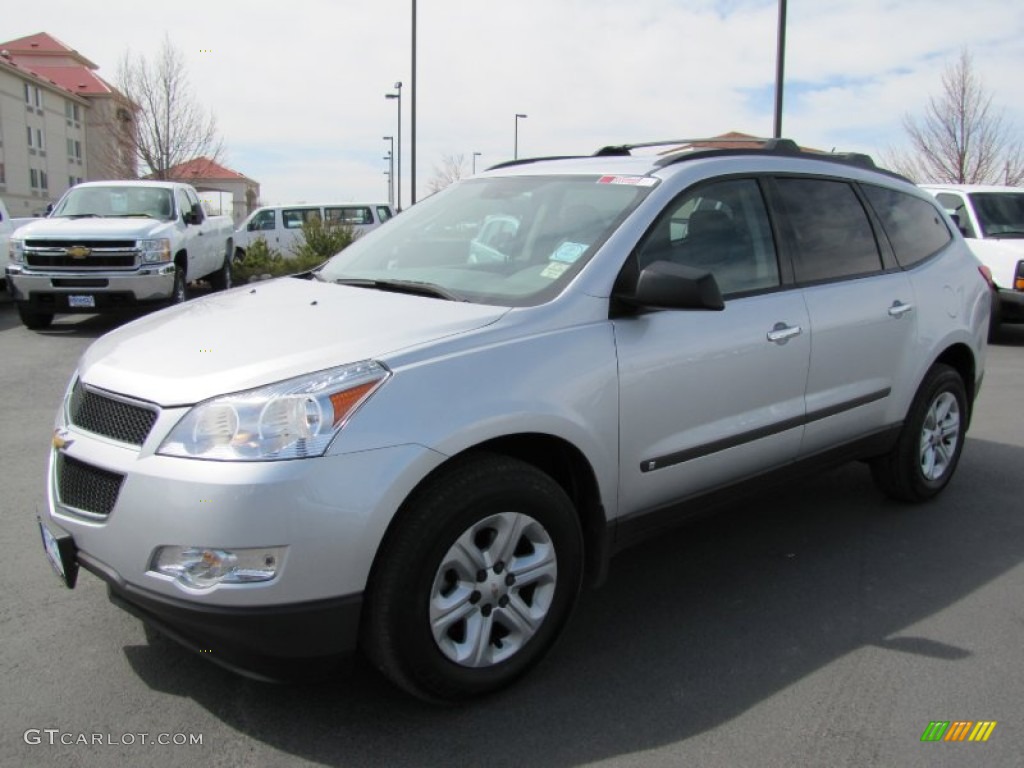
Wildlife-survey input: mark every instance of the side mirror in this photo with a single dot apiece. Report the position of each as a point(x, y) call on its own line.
point(667, 285)
point(197, 215)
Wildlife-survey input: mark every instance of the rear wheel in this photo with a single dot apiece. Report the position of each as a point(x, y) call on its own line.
point(179, 292)
point(34, 320)
point(928, 449)
point(475, 582)
point(221, 279)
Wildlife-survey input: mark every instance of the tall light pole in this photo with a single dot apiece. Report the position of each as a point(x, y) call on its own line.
point(389, 173)
point(398, 95)
point(780, 61)
point(391, 169)
point(515, 151)
point(414, 89)
point(475, 156)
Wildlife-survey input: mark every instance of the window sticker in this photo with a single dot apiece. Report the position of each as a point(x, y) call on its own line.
point(568, 252)
point(554, 270)
point(635, 181)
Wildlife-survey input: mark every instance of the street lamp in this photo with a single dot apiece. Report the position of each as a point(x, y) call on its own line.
point(780, 61)
point(515, 152)
point(398, 87)
point(391, 170)
point(475, 156)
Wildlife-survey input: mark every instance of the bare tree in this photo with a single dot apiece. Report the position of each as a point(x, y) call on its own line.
point(962, 138)
point(452, 168)
point(170, 126)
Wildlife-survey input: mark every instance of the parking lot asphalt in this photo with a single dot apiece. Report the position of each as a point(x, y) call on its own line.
point(818, 625)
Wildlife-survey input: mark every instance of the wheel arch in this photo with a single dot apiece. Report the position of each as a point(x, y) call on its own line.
point(560, 460)
point(960, 358)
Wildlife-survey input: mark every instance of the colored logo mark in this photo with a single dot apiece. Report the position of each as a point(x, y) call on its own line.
point(958, 730)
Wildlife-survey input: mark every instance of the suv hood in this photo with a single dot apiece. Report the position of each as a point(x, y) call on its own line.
point(267, 332)
point(92, 229)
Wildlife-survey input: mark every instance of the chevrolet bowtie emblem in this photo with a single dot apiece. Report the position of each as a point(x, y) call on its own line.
point(79, 251)
point(61, 439)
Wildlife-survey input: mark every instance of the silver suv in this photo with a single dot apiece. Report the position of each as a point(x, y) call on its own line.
point(424, 448)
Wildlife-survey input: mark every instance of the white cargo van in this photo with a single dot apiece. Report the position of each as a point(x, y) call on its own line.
point(281, 225)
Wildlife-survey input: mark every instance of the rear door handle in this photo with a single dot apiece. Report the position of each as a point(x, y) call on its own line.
point(899, 309)
point(781, 333)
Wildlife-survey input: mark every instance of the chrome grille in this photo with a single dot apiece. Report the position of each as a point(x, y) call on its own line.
point(85, 487)
point(104, 415)
point(94, 261)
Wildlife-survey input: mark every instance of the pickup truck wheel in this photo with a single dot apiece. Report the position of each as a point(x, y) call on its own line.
point(221, 279)
point(928, 449)
point(34, 320)
point(179, 293)
point(476, 580)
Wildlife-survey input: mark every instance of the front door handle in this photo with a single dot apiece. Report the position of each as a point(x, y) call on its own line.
point(781, 333)
point(899, 309)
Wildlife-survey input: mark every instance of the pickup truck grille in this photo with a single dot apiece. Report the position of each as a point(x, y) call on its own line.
point(100, 254)
point(85, 487)
point(107, 416)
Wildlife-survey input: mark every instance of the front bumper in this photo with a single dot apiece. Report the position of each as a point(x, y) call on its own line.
point(49, 291)
point(328, 514)
point(271, 643)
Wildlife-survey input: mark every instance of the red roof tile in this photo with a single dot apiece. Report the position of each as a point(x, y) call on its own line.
point(204, 168)
point(74, 79)
point(43, 44)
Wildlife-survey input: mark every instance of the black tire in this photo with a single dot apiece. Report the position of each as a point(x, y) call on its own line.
point(221, 279)
point(34, 320)
point(995, 318)
point(490, 501)
point(926, 454)
point(179, 293)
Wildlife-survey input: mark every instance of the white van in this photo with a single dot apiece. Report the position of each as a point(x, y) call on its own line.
point(281, 225)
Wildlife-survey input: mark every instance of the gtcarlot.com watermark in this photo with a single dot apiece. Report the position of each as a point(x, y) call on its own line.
point(55, 736)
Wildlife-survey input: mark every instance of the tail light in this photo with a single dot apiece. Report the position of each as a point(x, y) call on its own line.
point(1018, 278)
point(987, 274)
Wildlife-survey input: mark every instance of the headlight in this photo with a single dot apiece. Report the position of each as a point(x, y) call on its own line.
point(16, 249)
point(155, 251)
point(292, 419)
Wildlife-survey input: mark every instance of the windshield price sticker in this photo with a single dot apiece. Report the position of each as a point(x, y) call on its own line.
point(633, 181)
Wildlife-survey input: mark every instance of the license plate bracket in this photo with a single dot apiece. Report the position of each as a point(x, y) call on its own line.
point(61, 553)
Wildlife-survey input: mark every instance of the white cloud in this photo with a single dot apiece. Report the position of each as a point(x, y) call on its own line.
point(298, 88)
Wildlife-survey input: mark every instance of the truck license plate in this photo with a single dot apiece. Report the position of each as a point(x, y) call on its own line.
point(81, 301)
point(61, 554)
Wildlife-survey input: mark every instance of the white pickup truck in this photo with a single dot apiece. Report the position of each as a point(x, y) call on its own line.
point(991, 218)
point(114, 245)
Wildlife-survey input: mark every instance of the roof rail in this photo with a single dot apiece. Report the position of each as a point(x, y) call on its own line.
point(528, 160)
point(771, 145)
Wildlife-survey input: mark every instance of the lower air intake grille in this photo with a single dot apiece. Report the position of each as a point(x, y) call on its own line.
point(86, 487)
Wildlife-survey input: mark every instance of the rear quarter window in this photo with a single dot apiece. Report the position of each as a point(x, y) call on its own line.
point(915, 228)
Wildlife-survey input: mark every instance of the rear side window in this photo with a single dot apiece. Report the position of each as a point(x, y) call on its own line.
point(914, 226)
point(353, 215)
point(293, 218)
point(833, 236)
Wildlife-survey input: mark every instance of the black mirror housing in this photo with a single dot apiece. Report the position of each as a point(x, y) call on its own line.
point(667, 285)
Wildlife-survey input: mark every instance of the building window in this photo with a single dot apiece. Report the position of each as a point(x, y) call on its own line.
point(33, 178)
point(3, 174)
point(30, 144)
point(42, 180)
point(72, 111)
point(39, 139)
point(33, 96)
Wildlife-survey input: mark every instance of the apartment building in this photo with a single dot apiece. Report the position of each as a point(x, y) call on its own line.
point(60, 124)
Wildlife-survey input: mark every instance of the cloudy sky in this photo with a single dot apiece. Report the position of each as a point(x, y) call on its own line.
point(298, 87)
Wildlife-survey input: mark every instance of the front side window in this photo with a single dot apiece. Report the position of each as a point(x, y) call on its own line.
point(915, 227)
point(383, 213)
point(261, 222)
point(1000, 214)
point(833, 236)
point(509, 241)
point(957, 206)
point(721, 227)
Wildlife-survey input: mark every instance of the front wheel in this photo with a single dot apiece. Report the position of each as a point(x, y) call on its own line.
point(34, 320)
point(476, 580)
point(925, 456)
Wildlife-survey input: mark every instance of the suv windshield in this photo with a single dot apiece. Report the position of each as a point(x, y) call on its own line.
point(151, 202)
point(513, 241)
point(1001, 214)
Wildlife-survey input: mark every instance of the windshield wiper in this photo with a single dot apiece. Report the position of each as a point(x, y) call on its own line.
point(1010, 232)
point(414, 287)
point(131, 215)
point(80, 216)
